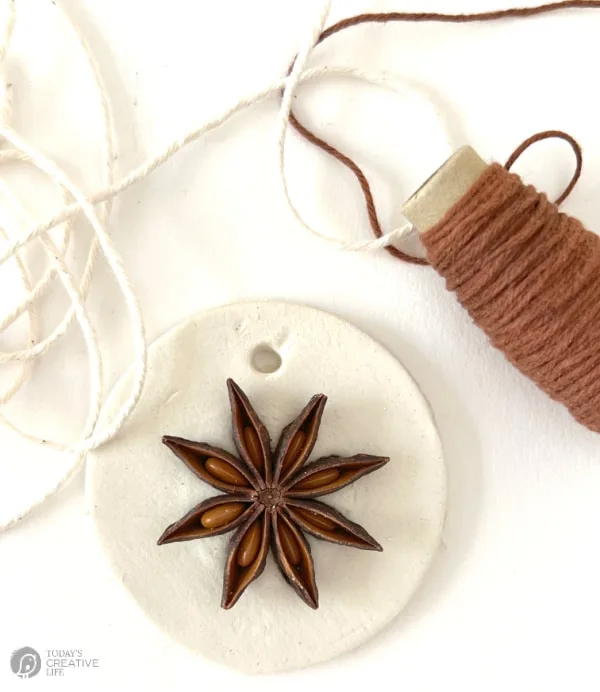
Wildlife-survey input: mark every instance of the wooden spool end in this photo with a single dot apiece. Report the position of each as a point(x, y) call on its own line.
point(444, 188)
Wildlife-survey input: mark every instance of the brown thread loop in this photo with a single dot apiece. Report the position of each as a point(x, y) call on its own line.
point(552, 134)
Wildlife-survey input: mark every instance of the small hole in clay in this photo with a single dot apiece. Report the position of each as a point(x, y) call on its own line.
point(266, 359)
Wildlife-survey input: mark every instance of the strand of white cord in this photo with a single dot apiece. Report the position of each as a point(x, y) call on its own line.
point(382, 78)
point(21, 151)
point(56, 254)
point(285, 111)
point(92, 436)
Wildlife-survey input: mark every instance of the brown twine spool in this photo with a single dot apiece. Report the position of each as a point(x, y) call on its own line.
point(528, 274)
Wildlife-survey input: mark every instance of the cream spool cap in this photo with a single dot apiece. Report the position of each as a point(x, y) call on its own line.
point(444, 188)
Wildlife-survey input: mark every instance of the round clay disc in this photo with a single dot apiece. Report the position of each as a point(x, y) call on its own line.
point(136, 487)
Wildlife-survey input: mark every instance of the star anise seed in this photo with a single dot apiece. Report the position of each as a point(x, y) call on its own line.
point(270, 498)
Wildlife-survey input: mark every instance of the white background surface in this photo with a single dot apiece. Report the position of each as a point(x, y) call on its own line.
point(512, 600)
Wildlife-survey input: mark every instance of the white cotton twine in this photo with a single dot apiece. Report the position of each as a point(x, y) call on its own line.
point(76, 203)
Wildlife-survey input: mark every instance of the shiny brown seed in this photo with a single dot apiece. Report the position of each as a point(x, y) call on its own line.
point(317, 520)
point(294, 449)
point(249, 545)
point(222, 514)
point(224, 472)
point(289, 544)
point(253, 447)
point(318, 479)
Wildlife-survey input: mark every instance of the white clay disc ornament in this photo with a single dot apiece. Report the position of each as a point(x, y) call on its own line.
point(265, 534)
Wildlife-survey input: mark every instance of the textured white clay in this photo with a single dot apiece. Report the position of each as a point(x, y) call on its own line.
point(136, 486)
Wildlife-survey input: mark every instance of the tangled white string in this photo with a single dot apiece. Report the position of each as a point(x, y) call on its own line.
point(96, 209)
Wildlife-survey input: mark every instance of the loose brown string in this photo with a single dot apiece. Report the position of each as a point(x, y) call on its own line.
point(552, 134)
point(385, 17)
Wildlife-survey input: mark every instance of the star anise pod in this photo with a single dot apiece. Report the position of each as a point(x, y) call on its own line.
point(270, 498)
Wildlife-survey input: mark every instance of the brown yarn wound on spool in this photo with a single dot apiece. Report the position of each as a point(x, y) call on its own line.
point(529, 276)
